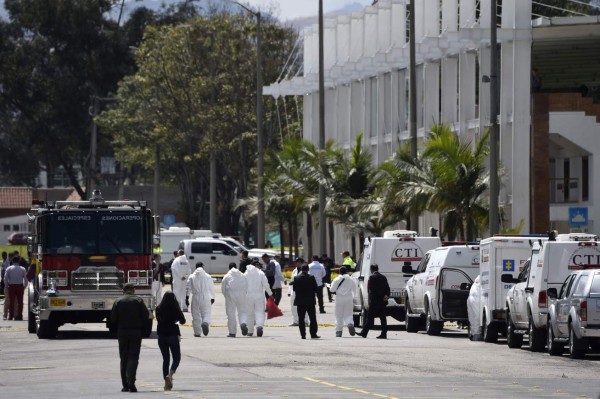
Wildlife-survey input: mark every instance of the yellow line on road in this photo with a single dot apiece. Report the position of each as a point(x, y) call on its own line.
point(329, 384)
point(13, 329)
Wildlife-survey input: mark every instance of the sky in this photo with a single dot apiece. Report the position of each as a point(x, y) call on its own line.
point(290, 9)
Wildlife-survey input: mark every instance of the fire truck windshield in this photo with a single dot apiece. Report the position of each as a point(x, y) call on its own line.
point(92, 232)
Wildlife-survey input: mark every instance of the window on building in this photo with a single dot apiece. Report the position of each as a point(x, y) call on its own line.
point(373, 109)
point(387, 103)
point(15, 227)
point(7, 227)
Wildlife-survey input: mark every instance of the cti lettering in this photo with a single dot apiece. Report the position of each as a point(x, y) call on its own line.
point(406, 253)
point(586, 259)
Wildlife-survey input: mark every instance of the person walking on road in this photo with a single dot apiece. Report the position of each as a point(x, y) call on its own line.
point(343, 287)
point(255, 298)
point(292, 294)
point(129, 313)
point(235, 288)
point(16, 280)
point(317, 270)
point(244, 261)
point(327, 263)
point(305, 287)
point(168, 314)
point(5, 265)
point(202, 288)
point(279, 279)
point(379, 293)
point(158, 278)
point(180, 271)
point(269, 269)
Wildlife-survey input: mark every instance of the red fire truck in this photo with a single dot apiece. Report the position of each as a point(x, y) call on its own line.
point(85, 252)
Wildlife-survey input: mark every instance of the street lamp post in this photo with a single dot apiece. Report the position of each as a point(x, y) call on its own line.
point(260, 166)
point(322, 221)
point(414, 216)
point(494, 133)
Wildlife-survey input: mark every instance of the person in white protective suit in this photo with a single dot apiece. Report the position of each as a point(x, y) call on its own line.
point(180, 271)
point(202, 289)
point(343, 286)
point(474, 310)
point(234, 288)
point(255, 298)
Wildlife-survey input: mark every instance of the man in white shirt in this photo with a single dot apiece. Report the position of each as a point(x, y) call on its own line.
point(180, 271)
point(317, 270)
point(279, 279)
point(15, 279)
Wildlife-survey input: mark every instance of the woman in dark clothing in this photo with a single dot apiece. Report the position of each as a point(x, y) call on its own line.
point(168, 313)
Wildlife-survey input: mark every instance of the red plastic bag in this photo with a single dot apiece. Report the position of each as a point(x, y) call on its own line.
point(272, 309)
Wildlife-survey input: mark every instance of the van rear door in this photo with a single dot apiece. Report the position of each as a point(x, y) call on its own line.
point(454, 286)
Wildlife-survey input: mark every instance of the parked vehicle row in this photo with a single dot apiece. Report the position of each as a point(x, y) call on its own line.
point(543, 287)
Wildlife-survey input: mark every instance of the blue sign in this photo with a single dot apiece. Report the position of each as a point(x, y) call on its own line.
point(508, 265)
point(578, 217)
point(169, 219)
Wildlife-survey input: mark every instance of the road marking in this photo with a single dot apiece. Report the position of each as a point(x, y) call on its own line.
point(266, 325)
point(329, 384)
point(4, 329)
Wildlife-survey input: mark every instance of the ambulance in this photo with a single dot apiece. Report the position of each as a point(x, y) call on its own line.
point(551, 263)
point(500, 254)
point(395, 250)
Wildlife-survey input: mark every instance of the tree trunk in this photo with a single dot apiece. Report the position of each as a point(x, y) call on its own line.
point(353, 243)
point(309, 231)
point(361, 242)
point(296, 249)
point(291, 239)
point(331, 240)
point(281, 232)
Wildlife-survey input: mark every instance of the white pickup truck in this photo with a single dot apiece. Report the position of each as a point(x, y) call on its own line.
point(439, 289)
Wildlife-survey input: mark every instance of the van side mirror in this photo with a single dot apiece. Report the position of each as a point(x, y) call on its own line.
point(465, 286)
point(407, 270)
point(552, 293)
point(509, 279)
point(361, 278)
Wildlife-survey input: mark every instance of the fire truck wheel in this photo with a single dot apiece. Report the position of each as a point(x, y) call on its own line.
point(147, 329)
point(31, 325)
point(46, 329)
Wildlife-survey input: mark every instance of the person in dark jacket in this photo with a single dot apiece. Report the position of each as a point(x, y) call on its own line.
point(379, 293)
point(168, 313)
point(305, 288)
point(244, 262)
point(327, 262)
point(130, 315)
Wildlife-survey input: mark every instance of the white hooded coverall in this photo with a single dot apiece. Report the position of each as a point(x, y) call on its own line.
point(180, 271)
point(292, 296)
point(255, 298)
point(234, 288)
point(343, 286)
point(202, 288)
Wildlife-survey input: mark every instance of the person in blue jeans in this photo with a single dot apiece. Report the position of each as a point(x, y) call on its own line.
point(168, 314)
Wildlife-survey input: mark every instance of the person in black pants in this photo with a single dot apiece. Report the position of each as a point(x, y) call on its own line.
point(305, 287)
point(379, 293)
point(168, 313)
point(327, 262)
point(129, 313)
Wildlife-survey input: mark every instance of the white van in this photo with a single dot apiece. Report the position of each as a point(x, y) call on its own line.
point(171, 237)
point(391, 252)
point(215, 254)
point(551, 263)
point(439, 289)
point(500, 255)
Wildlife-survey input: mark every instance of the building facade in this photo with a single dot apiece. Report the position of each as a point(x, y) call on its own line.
point(549, 70)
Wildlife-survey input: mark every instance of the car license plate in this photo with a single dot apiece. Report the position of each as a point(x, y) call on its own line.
point(97, 305)
point(58, 302)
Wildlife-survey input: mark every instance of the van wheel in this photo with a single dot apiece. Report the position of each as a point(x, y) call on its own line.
point(537, 338)
point(513, 339)
point(490, 332)
point(31, 324)
point(554, 348)
point(432, 327)
point(412, 323)
point(576, 345)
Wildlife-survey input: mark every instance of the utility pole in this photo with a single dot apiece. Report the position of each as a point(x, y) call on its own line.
point(93, 111)
point(156, 179)
point(494, 132)
point(414, 216)
point(322, 221)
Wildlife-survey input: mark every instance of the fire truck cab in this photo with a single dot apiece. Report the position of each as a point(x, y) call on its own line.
point(85, 251)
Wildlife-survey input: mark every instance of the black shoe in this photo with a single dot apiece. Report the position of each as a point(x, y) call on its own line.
point(132, 388)
point(322, 311)
point(381, 337)
point(303, 337)
point(125, 389)
point(362, 334)
point(315, 336)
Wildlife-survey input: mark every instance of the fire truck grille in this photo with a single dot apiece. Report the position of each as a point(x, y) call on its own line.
point(97, 281)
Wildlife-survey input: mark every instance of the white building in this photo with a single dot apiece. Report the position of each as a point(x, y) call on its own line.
point(549, 135)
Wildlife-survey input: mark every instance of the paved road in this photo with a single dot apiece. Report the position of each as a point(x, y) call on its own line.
point(83, 362)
